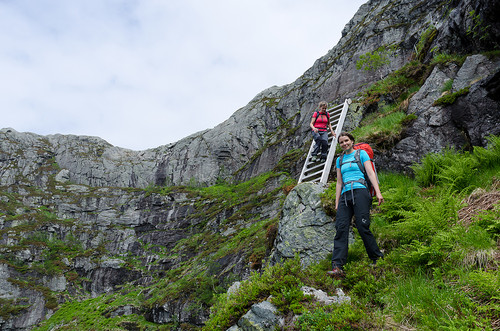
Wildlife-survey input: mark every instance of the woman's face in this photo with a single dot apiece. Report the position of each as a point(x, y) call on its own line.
point(345, 143)
point(322, 108)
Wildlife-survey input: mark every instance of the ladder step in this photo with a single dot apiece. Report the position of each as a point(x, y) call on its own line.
point(313, 166)
point(311, 178)
point(314, 173)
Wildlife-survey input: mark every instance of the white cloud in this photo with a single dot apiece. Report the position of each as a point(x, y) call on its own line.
point(140, 74)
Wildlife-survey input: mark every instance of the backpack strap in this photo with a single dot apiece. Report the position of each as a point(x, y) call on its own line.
point(357, 157)
point(357, 160)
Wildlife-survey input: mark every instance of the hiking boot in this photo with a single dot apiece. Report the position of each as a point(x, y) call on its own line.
point(336, 273)
point(374, 262)
point(323, 159)
point(314, 158)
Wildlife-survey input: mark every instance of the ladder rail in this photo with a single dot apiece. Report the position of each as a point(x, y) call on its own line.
point(333, 145)
point(309, 170)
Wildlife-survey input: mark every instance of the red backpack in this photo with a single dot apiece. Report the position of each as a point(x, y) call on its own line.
point(367, 148)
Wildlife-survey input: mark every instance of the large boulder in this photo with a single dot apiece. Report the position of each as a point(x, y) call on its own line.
point(304, 229)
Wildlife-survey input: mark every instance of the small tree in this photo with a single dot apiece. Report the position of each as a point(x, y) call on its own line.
point(377, 59)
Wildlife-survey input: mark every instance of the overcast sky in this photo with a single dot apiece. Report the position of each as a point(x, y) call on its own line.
point(141, 74)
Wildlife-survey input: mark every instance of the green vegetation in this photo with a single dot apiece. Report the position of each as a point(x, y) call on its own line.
point(282, 282)
point(425, 42)
point(383, 128)
point(376, 60)
point(444, 58)
point(397, 84)
point(387, 120)
point(478, 30)
point(231, 207)
point(449, 99)
point(447, 86)
point(99, 314)
point(440, 271)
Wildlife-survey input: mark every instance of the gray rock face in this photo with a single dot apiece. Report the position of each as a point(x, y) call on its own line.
point(477, 114)
point(465, 123)
point(304, 228)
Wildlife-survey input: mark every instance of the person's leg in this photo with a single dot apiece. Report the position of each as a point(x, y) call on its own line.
point(341, 240)
point(362, 203)
point(317, 143)
point(324, 144)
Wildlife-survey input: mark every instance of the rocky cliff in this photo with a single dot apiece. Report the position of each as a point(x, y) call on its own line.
point(80, 217)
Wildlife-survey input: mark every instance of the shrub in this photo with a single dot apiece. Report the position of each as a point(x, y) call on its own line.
point(428, 217)
point(377, 59)
point(484, 284)
point(425, 41)
point(335, 317)
point(490, 221)
point(396, 84)
point(447, 85)
point(459, 175)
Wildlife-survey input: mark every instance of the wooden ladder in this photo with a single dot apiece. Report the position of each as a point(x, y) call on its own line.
point(316, 171)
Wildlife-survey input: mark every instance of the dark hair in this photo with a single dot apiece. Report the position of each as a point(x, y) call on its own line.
point(346, 134)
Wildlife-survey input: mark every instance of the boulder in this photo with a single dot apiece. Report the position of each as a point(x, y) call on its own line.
point(262, 316)
point(304, 229)
point(324, 298)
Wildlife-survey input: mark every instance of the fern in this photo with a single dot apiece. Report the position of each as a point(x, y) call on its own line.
point(458, 175)
point(427, 218)
point(489, 157)
point(428, 170)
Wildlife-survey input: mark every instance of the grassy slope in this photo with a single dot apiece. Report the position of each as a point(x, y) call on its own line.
point(440, 236)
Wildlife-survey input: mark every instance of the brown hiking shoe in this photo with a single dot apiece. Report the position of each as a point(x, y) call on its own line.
point(336, 273)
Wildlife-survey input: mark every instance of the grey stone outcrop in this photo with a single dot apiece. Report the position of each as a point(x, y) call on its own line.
point(262, 316)
point(304, 229)
point(324, 298)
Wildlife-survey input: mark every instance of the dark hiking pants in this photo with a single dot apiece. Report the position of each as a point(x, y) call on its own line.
point(356, 202)
point(321, 140)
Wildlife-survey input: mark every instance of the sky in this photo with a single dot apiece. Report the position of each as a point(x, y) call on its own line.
point(141, 74)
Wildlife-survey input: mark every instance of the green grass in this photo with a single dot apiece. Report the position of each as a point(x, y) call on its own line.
point(97, 314)
point(381, 129)
point(421, 301)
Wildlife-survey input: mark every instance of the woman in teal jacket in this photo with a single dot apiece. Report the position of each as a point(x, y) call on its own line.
point(353, 198)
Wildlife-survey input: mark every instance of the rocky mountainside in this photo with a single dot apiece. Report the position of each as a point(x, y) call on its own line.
point(80, 217)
